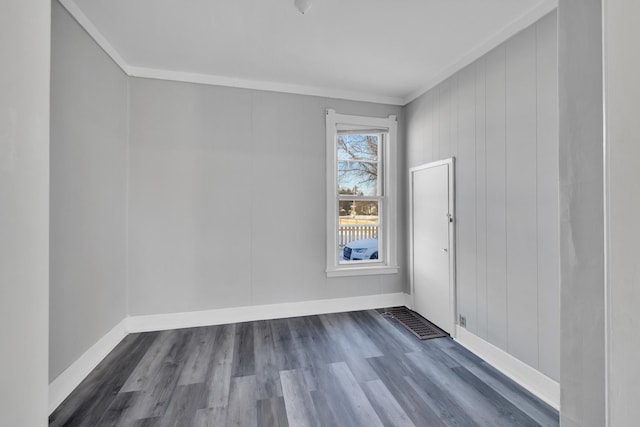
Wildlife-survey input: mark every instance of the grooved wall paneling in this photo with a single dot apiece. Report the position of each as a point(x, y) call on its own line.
point(548, 207)
point(498, 117)
point(465, 187)
point(481, 198)
point(496, 199)
point(521, 226)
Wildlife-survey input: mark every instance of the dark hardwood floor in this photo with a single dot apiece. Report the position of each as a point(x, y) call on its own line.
point(346, 369)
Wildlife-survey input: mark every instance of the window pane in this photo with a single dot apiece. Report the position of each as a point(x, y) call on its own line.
point(358, 147)
point(360, 250)
point(358, 178)
point(360, 212)
point(358, 228)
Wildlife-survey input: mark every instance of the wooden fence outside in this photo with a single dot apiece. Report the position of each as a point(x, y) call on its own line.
point(349, 233)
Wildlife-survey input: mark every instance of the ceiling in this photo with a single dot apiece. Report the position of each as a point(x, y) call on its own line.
point(387, 51)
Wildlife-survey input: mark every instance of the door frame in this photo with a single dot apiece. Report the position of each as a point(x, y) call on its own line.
point(452, 237)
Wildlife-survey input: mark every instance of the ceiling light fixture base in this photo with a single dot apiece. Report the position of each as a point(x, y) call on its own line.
point(303, 6)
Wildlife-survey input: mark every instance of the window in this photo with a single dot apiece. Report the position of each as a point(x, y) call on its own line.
point(361, 200)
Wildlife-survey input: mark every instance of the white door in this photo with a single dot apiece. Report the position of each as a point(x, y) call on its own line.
point(432, 243)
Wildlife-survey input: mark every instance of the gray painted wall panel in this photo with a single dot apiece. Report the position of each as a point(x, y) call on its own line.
point(622, 67)
point(454, 126)
point(416, 131)
point(190, 154)
point(436, 109)
point(227, 200)
point(582, 357)
point(548, 217)
point(507, 190)
point(25, 40)
point(287, 177)
point(481, 201)
point(521, 171)
point(446, 141)
point(466, 196)
point(89, 104)
point(430, 128)
point(496, 198)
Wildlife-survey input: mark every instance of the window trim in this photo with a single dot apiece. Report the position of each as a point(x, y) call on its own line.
point(388, 215)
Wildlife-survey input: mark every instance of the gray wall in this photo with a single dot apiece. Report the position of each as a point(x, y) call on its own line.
point(227, 199)
point(498, 117)
point(24, 211)
point(226, 196)
point(581, 213)
point(89, 103)
point(622, 93)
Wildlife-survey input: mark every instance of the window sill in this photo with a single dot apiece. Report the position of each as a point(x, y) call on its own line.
point(362, 271)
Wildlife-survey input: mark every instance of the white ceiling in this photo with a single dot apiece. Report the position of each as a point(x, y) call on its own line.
point(374, 50)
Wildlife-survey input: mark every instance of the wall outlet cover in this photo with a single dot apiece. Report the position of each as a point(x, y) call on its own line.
point(462, 321)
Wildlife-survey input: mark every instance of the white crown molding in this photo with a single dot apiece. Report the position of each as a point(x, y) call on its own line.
point(511, 29)
point(61, 387)
point(517, 25)
point(208, 79)
point(533, 380)
point(159, 322)
point(93, 31)
point(214, 80)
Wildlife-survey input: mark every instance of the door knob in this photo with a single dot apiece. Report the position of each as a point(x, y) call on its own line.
point(445, 250)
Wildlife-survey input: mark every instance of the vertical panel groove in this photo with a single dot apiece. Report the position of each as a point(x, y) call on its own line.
point(486, 209)
point(506, 236)
point(475, 193)
point(535, 51)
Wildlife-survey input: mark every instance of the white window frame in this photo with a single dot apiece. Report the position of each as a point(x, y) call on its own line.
point(388, 231)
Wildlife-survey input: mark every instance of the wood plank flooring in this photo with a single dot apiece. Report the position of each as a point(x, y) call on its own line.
point(345, 369)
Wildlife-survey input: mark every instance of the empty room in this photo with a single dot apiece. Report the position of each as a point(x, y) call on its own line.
point(319, 213)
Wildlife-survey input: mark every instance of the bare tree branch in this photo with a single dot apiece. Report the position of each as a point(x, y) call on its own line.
point(362, 153)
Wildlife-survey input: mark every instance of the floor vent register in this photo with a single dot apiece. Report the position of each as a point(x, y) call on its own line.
point(416, 324)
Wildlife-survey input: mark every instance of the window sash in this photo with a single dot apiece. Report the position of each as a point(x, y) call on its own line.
point(380, 233)
point(379, 162)
point(338, 124)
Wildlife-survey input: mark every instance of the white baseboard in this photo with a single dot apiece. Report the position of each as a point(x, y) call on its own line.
point(158, 322)
point(536, 382)
point(68, 380)
point(408, 301)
